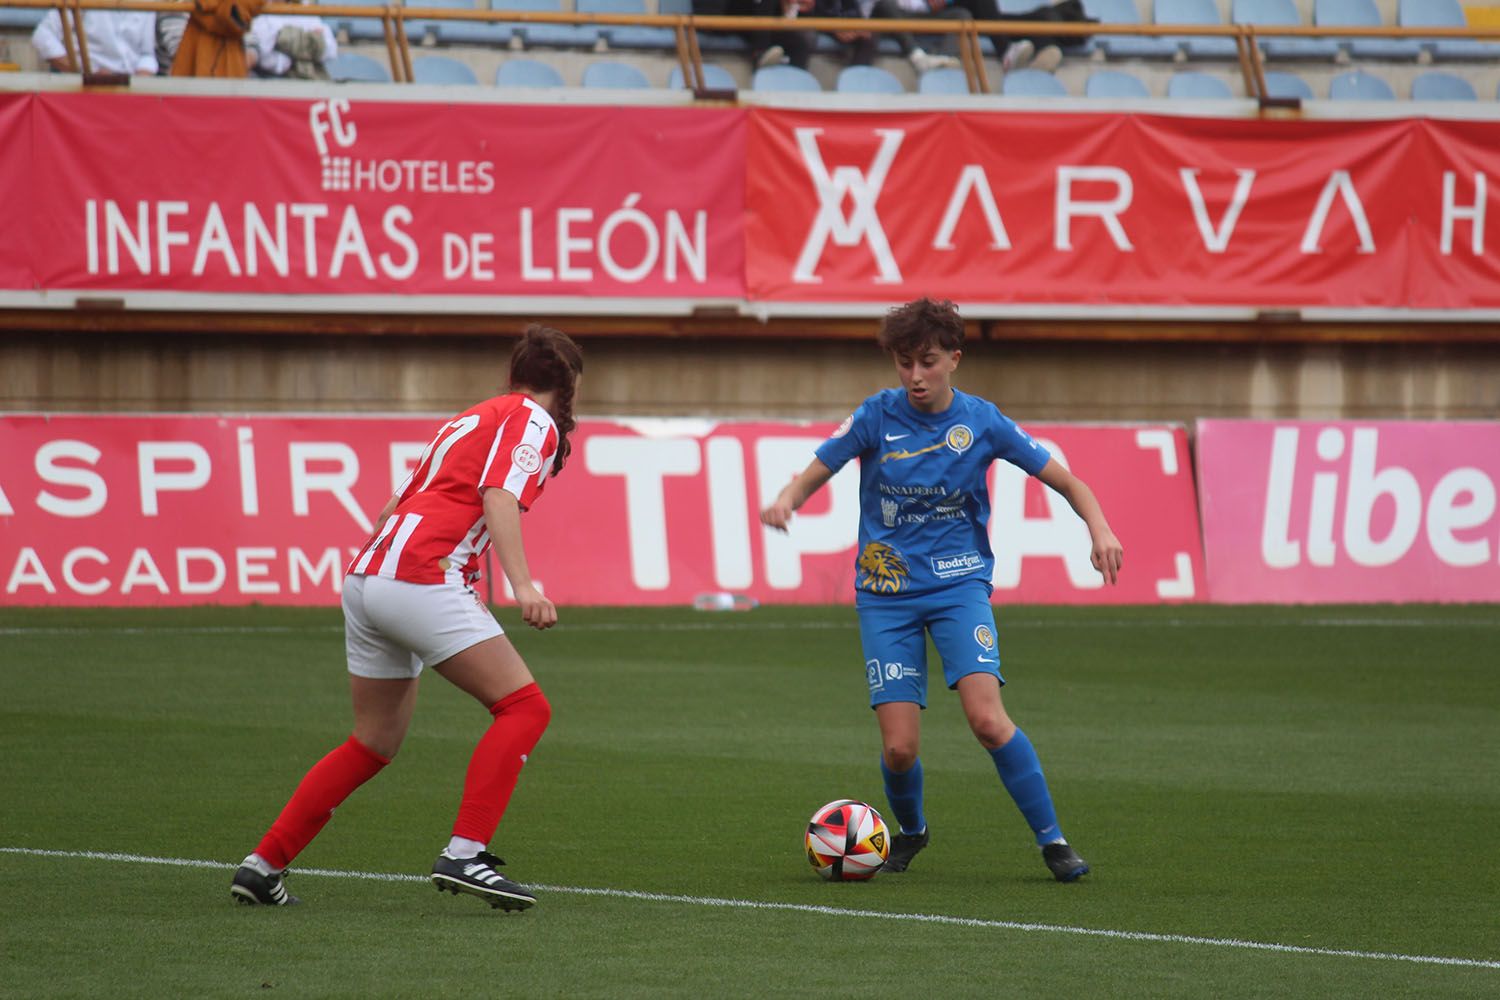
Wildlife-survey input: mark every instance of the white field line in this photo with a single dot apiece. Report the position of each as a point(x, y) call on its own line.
point(832, 911)
point(743, 625)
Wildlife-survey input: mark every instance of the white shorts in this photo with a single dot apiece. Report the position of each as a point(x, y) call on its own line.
point(392, 629)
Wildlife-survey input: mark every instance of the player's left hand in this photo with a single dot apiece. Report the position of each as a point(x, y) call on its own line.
point(1108, 555)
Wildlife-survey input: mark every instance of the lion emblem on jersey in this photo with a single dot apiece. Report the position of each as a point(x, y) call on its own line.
point(882, 570)
point(959, 438)
point(526, 458)
point(985, 637)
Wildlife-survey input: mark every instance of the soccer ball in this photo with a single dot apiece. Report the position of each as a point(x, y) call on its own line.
point(847, 841)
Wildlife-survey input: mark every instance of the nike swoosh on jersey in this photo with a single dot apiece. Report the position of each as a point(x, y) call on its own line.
point(896, 437)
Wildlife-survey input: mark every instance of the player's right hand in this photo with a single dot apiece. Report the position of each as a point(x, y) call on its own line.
point(777, 516)
point(536, 610)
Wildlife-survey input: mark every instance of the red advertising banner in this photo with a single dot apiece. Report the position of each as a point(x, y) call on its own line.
point(219, 194)
point(175, 510)
point(339, 197)
point(1111, 209)
point(1324, 512)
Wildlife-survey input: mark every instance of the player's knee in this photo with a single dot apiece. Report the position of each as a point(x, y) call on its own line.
point(993, 731)
point(900, 757)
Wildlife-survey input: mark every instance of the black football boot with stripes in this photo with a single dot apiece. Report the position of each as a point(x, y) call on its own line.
point(477, 877)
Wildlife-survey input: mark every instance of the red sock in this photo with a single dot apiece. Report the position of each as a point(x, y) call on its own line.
point(347, 766)
point(520, 718)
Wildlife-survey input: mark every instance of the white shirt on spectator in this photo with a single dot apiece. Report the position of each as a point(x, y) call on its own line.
point(118, 41)
point(262, 38)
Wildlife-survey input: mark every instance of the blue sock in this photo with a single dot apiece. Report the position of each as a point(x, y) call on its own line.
point(904, 792)
point(1021, 773)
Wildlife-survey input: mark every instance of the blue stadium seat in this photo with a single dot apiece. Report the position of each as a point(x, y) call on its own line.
point(1287, 85)
point(784, 78)
point(714, 78)
point(620, 36)
point(1438, 86)
point(1115, 83)
point(1362, 14)
point(708, 41)
point(867, 80)
point(1127, 46)
point(1198, 86)
point(560, 36)
point(1032, 83)
point(352, 67)
point(1357, 85)
point(365, 29)
point(1196, 12)
point(457, 32)
point(527, 73)
point(28, 18)
point(615, 76)
point(1444, 14)
point(1282, 13)
point(442, 70)
point(943, 81)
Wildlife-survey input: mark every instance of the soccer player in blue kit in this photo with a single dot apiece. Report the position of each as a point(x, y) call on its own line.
point(925, 564)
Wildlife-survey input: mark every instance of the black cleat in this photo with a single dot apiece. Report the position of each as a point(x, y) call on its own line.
point(904, 847)
point(1065, 863)
point(477, 877)
point(254, 888)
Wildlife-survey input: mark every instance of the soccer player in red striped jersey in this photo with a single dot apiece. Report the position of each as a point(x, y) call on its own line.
point(409, 603)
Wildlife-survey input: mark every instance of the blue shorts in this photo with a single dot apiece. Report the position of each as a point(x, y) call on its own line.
point(893, 632)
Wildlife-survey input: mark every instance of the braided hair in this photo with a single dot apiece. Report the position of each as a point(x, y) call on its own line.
point(545, 360)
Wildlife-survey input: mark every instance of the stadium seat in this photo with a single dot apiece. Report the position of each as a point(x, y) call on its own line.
point(27, 18)
point(632, 36)
point(1281, 13)
point(1115, 83)
point(442, 70)
point(1196, 12)
point(615, 76)
point(1357, 85)
point(1438, 86)
point(1444, 14)
point(527, 73)
point(1286, 86)
point(351, 67)
point(365, 29)
point(782, 78)
point(456, 32)
point(714, 78)
point(943, 81)
point(1032, 83)
point(1198, 86)
point(554, 35)
point(708, 41)
point(1127, 46)
point(867, 80)
point(1363, 14)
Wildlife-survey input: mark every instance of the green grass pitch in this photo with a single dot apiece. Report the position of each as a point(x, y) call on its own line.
point(1325, 780)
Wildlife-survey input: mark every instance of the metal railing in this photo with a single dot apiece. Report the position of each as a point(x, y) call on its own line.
point(685, 28)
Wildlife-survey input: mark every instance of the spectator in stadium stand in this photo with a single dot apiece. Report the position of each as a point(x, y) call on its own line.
point(170, 24)
point(409, 603)
point(914, 10)
point(925, 564)
point(213, 44)
point(118, 42)
point(297, 46)
point(767, 48)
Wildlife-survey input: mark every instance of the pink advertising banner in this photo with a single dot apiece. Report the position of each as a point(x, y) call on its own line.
point(174, 510)
point(1325, 512)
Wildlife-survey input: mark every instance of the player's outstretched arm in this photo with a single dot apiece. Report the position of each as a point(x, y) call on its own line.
point(1108, 555)
point(502, 517)
point(808, 482)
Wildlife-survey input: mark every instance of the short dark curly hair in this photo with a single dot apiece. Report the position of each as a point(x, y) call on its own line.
point(921, 323)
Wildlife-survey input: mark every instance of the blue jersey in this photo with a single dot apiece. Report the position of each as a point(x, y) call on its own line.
point(924, 499)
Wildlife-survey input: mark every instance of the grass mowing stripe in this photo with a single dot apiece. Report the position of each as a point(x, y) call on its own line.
point(750, 904)
point(761, 626)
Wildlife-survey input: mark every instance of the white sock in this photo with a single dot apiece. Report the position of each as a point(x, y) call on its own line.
point(259, 864)
point(1059, 840)
point(462, 848)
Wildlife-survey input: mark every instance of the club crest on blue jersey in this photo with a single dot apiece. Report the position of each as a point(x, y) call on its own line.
point(882, 570)
point(959, 438)
point(985, 636)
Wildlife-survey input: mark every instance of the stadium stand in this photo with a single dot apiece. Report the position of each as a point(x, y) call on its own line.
point(1444, 14)
point(785, 78)
point(1127, 46)
point(442, 70)
point(867, 80)
point(1032, 83)
point(1282, 12)
point(627, 36)
point(714, 78)
point(614, 76)
point(1363, 14)
point(1283, 85)
point(354, 68)
point(1195, 12)
point(943, 81)
point(527, 73)
point(1439, 86)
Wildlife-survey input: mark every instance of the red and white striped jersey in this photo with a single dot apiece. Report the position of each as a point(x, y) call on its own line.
point(437, 532)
